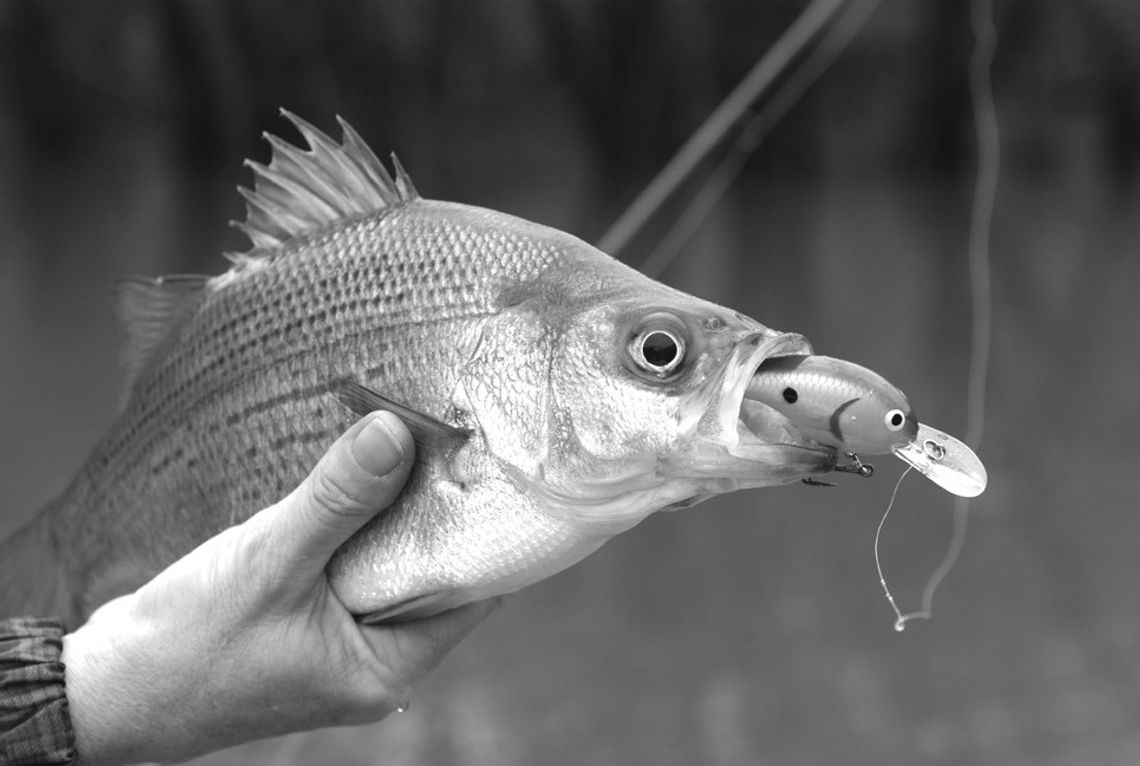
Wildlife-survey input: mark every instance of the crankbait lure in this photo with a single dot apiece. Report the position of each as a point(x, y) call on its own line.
point(857, 411)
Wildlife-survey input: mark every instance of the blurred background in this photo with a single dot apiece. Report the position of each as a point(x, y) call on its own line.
point(752, 628)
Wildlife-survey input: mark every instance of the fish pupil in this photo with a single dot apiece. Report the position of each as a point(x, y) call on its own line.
point(897, 419)
point(659, 349)
point(790, 395)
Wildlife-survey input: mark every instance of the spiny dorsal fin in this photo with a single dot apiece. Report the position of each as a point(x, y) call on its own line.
point(299, 191)
point(149, 311)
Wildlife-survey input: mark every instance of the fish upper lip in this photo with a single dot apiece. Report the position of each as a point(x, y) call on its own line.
point(781, 344)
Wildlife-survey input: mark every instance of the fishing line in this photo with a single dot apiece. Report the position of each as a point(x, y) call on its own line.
point(900, 623)
point(981, 224)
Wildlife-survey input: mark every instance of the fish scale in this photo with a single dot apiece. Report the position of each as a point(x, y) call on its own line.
point(172, 389)
point(510, 349)
point(324, 322)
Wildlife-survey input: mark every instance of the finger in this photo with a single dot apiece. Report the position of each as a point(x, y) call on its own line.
point(412, 649)
point(361, 474)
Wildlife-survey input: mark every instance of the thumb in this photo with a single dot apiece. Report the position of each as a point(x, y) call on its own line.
point(361, 474)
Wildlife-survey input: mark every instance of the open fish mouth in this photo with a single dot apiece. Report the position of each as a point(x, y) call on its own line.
point(745, 442)
point(758, 424)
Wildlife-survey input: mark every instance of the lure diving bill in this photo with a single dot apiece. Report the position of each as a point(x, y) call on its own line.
point(855, 410)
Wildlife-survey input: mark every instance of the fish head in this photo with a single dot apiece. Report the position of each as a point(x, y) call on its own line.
point(646, 407)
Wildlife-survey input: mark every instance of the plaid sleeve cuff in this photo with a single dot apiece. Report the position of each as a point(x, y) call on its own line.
point(35, 725)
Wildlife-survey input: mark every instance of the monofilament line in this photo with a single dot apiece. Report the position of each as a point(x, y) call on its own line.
point(900, 622)
point(981, 224)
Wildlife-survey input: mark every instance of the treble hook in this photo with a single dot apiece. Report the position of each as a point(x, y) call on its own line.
point(866, 470)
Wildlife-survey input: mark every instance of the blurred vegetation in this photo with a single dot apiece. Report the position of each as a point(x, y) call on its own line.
point(598, 94)
point(633, 78)
point(492, 101)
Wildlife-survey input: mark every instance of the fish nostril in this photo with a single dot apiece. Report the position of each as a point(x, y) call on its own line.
point(713, 322)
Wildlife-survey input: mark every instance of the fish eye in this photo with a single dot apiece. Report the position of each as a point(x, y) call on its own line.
point(895, 419)
point(659, 351)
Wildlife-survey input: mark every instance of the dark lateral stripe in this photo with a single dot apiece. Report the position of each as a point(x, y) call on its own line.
point(121, 449)
point(325, 435)
point(264, 405)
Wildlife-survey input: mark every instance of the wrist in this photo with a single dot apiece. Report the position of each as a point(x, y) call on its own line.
point(106, 701)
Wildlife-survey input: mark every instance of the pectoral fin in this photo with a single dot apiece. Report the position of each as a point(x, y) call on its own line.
point(428, 432)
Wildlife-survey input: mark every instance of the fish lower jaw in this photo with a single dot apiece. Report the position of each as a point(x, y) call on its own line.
point(760, 448)
point(741, 443)
point(768, 445)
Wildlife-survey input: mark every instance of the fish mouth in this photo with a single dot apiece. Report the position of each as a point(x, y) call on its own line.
point(742, 443)
point(758, 425)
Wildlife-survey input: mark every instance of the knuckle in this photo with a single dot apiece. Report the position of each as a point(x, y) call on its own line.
point(335, 496)
point(247, 544)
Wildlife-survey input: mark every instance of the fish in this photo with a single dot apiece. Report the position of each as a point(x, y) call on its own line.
point(859, 412)
point(557, 396)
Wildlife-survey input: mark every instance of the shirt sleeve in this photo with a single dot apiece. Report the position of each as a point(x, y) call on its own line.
point(35, 725)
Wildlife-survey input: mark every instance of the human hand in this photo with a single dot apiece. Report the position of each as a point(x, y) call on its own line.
point(243, 638)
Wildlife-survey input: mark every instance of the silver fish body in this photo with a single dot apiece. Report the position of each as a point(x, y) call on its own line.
point(536, 344)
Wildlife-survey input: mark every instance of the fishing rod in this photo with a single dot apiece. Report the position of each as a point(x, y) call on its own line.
point(781, 76)
point(758, 123)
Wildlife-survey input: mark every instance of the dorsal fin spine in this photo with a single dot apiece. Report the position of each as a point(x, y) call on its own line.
point(302, 190)
point(403, 180)
point(277, 187)
point(282, 151)
point(363, 157)
point(259, 225)
point(325, 152)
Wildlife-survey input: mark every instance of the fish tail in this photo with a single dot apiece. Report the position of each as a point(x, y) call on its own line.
point(32, 580)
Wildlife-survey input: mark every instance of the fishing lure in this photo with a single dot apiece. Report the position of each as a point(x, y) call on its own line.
point(855, 410)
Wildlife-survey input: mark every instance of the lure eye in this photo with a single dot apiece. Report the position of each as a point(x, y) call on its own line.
point(659, 352)
point(895, 420)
